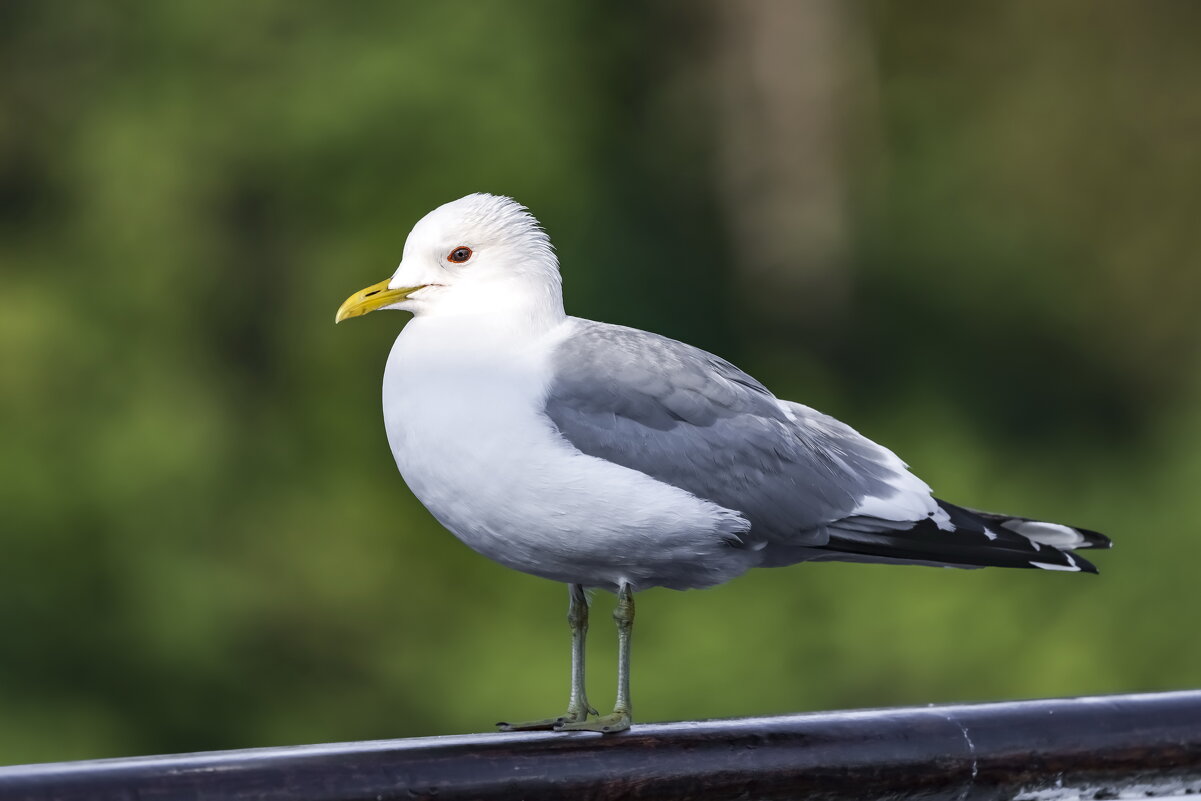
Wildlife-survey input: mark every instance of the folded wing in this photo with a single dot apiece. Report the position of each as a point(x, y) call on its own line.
point(811, 487)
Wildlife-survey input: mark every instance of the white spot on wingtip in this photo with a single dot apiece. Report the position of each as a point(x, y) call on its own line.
point(1053, 534)
point(943, 520)
point(1074, 568)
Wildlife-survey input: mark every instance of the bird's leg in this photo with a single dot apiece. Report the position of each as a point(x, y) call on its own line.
point(578, 708)
point(620, 718)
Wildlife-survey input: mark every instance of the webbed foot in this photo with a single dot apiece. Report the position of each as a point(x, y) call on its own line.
point(605, 724)
point(569, 718)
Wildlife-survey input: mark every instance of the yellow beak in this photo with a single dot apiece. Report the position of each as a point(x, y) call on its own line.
point(373, 297)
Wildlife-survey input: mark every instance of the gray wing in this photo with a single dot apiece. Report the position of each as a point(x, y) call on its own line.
point(697, 422)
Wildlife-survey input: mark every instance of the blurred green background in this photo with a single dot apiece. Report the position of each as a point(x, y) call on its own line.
point(971, 230)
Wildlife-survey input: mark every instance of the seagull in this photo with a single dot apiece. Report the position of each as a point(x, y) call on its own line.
point(610, 458)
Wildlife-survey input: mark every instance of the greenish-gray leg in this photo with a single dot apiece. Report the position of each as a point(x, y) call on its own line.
point(578, 708)
point(577, 617)
point(624, 615)
point(620, 718)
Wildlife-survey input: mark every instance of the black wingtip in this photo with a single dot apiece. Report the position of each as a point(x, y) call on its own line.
point(1085, 565)
point(981, 538)
point(1094, 539)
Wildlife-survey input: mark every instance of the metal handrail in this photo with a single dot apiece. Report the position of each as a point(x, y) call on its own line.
point(1120, 746)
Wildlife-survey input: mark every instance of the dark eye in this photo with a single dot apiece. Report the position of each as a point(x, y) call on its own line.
point(460, 254)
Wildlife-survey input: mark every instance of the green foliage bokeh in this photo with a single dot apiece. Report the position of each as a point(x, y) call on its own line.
point(205, 541)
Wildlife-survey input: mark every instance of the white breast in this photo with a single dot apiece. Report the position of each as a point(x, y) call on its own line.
point(463, 411)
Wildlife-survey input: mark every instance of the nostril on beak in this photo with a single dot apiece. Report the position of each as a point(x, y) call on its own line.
point(369, 294)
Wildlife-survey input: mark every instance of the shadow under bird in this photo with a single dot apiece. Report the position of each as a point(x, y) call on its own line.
point(607, 457)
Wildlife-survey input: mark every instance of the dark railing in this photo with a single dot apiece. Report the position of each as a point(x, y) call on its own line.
point(1124, 746)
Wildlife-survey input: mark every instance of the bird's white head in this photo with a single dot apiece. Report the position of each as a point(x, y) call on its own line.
point(480, 254)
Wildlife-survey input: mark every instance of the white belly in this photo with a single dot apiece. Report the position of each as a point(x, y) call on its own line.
point(466, 428)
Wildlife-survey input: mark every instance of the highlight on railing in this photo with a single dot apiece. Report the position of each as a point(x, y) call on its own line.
point(1125, 746)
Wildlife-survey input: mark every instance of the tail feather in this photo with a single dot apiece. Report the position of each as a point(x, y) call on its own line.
point(967, 538)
